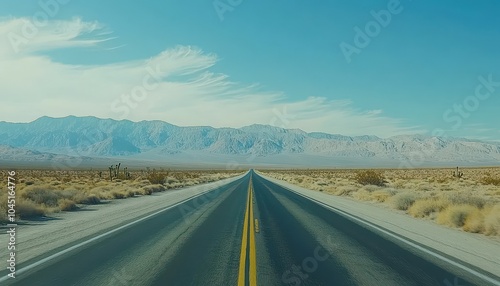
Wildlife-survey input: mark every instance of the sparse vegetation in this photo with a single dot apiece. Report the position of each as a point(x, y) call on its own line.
point(490, 181)
point(67, 205)
point(90, 200)
point(157, 177)
point(492, 220)
point(381, 195)
point(468, 199)
point(427, 207)
point(370, 177)
point(42, 192)
point(153, 188)
point(458, 174)
point(27, 209)
point(40, 195)
point(456, 215)
point(403, 201)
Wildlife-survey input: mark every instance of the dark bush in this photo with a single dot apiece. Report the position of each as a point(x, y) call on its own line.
point(370, 177)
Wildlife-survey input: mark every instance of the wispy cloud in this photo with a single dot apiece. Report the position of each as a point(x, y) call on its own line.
point(176, 86)
point(22, 37)
point(480, 131)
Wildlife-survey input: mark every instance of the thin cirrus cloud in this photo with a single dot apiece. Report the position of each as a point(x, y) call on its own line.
point(23, 36)
point(176, 86)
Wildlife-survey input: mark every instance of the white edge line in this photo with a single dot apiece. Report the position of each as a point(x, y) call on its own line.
point(445, 259)
point(55, 255)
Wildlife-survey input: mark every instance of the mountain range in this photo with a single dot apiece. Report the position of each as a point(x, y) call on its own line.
point(52, 139)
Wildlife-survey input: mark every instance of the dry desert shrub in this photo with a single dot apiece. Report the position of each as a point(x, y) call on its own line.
point(3, 215)
point(91, 199)
point(475, 222)
point(488, 180)
point(157, 177)
point(145, 191)
point(153, 189)
point(398, 183)
point(371, 188)
point(26, 209)
point(467, 199)
point(403, 200)
point(425, 207)
point(382, 195)
point(3, 207)
point(171, 180)
point(456, 215)
point(322, 183)
point(139, 183)
point(67, 205)
point(370, 177)
point(492, 220)
point(41, 195)
point(345, 190)
point(101, 190)
point(362, 195)
point(117, 195)
point(425, 187)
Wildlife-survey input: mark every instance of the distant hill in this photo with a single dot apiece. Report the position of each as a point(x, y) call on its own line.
point(158, 140)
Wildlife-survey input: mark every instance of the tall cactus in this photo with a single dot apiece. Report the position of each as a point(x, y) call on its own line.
point(458, 173)
point(111, 169)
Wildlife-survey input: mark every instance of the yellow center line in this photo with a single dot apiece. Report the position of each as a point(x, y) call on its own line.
point(249, 220)
point(253, 258)
point(243, 252)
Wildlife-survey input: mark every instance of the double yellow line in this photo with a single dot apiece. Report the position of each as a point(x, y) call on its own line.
point(248, 244)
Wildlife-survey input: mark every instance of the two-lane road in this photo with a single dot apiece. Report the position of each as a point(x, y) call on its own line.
point(302, 242)
point(248, 232)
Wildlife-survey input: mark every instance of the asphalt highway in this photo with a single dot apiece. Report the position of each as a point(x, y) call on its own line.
point(248, 232)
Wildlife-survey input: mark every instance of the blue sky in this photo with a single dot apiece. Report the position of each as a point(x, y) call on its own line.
point(234, 63)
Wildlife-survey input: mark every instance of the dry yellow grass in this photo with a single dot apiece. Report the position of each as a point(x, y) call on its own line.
point(381, 195)
point(456, 215)
point(427, 207)
point(492, 220)
point(471, 202)
point(41, 192)
point(403, 200)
